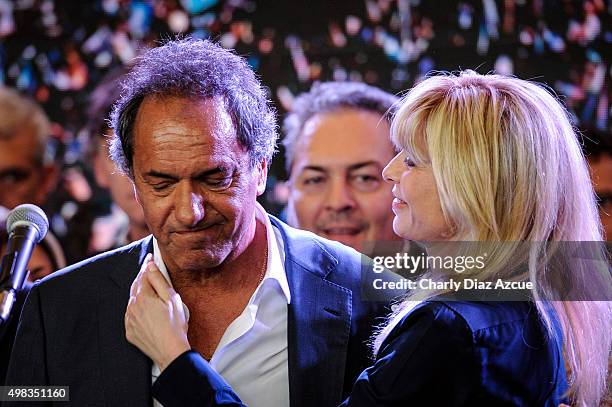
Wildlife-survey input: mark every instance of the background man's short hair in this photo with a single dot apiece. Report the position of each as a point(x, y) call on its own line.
point(201, 69)
point(326, 97)
point(18, 111)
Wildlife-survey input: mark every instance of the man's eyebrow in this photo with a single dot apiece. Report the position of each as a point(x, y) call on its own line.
point(352, 167)
point(358, 166)
point(212, 171)
point(314, 168)
point(157, 174)
point(220, 169)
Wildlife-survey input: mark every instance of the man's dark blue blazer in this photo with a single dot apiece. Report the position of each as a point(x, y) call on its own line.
point(72, 331)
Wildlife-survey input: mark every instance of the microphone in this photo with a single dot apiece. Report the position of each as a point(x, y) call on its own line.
point(26, 225)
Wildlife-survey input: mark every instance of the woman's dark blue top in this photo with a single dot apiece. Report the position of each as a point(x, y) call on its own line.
point(466, 354)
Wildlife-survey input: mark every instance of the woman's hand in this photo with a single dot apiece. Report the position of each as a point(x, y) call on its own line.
point(155, 320)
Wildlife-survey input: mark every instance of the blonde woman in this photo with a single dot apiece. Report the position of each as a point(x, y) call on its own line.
point(486, 159)
point(495, 159)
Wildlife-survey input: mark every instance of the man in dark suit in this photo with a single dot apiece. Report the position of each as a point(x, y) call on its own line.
point(278, 312)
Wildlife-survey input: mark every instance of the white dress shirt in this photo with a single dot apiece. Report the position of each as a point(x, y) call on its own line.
point(252, 354)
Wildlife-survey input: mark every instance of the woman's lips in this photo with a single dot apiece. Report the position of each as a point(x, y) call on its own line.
point(398, 203)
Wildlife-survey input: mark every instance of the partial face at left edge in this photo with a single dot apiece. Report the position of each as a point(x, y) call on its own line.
point(22, 178)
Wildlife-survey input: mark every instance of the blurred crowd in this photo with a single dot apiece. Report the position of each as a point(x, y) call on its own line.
point(56, 52)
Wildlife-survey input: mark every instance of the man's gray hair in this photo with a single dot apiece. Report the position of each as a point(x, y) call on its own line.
point(326, 97)
point(18, 111)
point(201, 69)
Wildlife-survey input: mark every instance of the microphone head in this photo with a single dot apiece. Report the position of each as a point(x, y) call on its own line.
point(28, 215)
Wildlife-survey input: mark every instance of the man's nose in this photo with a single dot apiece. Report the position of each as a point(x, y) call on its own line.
point(339, 196)
point(189, 205)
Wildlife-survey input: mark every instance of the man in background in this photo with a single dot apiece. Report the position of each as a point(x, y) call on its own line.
point(336, 146)
point(27, 173)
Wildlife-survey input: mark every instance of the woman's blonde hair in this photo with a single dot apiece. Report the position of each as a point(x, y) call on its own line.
point(509, 168)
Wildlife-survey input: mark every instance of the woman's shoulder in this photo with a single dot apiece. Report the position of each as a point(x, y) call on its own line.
point(482, 323)
point(503, 346)
point(483, 315)
point(474, 316)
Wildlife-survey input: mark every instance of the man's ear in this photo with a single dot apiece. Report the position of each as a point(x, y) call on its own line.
point(262, 176)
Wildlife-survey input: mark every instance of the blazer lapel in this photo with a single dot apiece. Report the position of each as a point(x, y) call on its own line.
point(125, 371)
point(319, 323)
